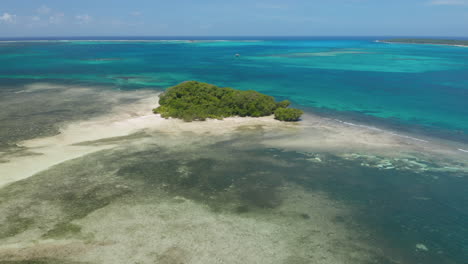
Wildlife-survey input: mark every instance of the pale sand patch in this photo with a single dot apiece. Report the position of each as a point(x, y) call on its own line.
point(164, 229)
point(172, 230)
point(177, 230)
point(53, 249)
point(23, 167)
point(319, 54)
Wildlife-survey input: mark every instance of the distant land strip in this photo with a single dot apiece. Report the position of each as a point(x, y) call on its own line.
point(450, 42)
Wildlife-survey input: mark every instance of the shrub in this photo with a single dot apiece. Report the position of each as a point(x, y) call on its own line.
point(283, 104)
point(288, 114)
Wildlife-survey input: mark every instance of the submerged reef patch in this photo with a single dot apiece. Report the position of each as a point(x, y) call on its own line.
point(176, 189)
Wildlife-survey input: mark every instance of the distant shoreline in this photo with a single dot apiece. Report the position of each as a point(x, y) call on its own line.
point(452, 43)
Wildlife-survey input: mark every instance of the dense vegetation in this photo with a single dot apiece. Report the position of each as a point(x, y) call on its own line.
point(430, 41)
point(194, 100)
point(288, 114)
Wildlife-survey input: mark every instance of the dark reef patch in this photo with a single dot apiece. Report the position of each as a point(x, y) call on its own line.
point(16, 225)
point(63, 230)
point(234, 179)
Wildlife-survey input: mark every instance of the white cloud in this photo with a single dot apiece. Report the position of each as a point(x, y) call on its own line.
point(57, 18)
point(35, 18)
point(448, 2)
point(8, 18)
point(83, 19)
point(43, 10)
point(135, 13)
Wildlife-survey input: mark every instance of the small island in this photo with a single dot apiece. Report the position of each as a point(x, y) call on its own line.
point(197, 101)
point(450, 42)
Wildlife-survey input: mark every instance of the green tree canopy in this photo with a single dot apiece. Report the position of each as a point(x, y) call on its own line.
point(288, 114)
point(194, 100)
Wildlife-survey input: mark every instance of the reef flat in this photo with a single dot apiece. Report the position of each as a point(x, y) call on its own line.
point(128, 185)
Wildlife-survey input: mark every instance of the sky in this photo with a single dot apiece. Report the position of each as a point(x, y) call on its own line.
point(33, 18)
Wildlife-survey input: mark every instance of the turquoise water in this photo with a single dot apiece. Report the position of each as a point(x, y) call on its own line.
point(412, 84)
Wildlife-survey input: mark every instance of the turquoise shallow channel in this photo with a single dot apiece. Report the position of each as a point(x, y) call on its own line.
point(376, 172)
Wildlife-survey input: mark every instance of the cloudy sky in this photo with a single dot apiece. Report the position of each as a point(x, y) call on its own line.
point(231, 18)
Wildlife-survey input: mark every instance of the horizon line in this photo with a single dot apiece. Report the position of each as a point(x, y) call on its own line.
point(227, 36)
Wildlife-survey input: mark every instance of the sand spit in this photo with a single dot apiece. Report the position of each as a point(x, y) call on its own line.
point(42, 153)
point(314, 134)
point(76, 139)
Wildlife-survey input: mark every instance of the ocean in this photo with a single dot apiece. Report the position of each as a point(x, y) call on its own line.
point(375, 173)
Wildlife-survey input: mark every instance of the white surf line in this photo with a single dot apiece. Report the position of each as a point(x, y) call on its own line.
point(391, 133)
point(381, 130)
point(413, 138)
